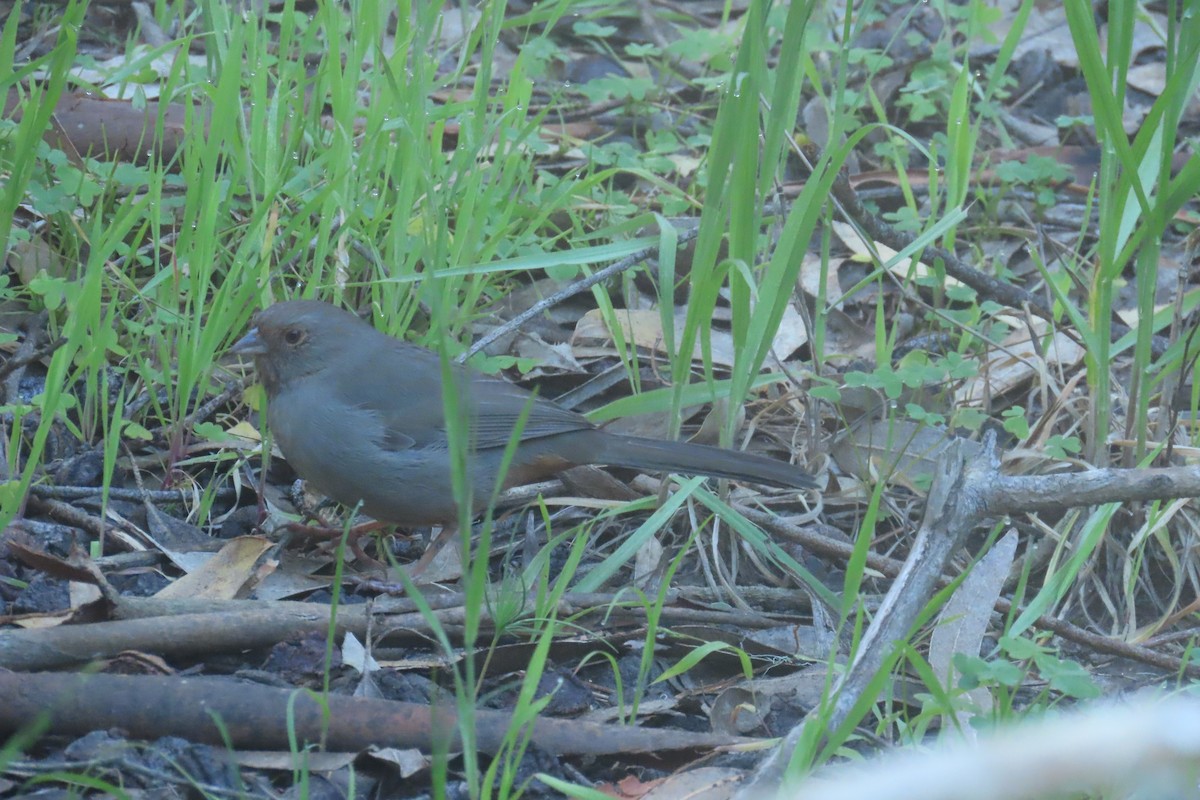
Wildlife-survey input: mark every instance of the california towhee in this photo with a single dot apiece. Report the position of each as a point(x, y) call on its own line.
point(359, 415)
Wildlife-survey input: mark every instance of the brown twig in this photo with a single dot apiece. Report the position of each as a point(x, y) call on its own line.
point(116, 493)
point(67, 514)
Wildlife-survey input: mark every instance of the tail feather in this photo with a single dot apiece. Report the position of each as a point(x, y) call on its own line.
point(698, 459)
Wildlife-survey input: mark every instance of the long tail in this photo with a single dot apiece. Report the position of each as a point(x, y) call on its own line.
point(698, 459)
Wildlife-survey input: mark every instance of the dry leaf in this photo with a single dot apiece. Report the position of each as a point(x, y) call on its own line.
point(704, 783)
point(964, 620)
point(230, 573)
point(907, 269)
point(1017, 361)
point(643, 329)
point(900, 451)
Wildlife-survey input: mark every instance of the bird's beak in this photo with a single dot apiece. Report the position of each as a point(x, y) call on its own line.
point(249, 345)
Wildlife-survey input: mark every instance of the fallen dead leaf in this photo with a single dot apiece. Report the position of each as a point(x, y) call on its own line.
point(230, 573)
point(1019, 360)
point(906, 269)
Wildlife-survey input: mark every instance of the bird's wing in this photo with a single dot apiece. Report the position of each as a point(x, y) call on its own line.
point(405, 392)
point(500, 407)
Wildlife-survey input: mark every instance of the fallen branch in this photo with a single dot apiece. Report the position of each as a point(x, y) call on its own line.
point(967, 489)
point(265, 718)
point(185, 628)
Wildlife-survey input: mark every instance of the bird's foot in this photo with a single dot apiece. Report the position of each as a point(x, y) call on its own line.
point(332, 535)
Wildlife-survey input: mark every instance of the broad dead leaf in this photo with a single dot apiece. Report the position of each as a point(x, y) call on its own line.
point(894, 450)
point(907, 269)
point(1020, 360)
point(644, 329)
point(965, 618)
point(230, 573)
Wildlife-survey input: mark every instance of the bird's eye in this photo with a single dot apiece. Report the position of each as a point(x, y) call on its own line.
point(293, 336)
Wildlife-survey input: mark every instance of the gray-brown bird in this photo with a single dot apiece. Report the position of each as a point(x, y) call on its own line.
point(359, 415)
